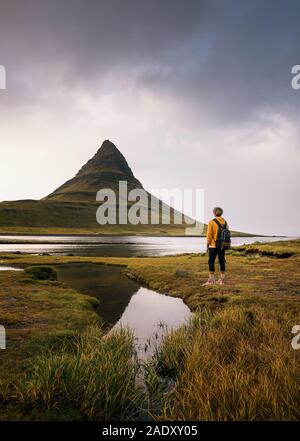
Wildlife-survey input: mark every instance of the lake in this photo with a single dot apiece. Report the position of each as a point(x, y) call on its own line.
point(114, 246)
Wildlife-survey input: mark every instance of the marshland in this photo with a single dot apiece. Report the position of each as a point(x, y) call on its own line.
point(231, 358)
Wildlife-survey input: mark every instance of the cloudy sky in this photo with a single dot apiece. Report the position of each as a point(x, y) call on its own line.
point(195, 93)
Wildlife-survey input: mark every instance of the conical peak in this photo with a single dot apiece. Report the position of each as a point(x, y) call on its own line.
point(108, 157)
point(108, 146)
point(104, 170)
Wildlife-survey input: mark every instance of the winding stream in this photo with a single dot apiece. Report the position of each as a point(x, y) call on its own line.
point(124, 303)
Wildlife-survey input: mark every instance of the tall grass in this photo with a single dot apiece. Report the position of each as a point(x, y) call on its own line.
point(237, 364)
point(93, 373)
point(234, 364)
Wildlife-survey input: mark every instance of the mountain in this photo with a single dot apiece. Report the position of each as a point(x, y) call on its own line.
point(107, 167)
point(71, 208)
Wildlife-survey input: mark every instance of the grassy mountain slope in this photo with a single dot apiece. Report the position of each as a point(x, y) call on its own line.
point(71, 208)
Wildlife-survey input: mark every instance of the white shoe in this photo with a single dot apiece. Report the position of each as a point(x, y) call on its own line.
point(221, 281)
point(209, 282)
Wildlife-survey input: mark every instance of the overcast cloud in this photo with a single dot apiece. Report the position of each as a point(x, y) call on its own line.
point(196, 94)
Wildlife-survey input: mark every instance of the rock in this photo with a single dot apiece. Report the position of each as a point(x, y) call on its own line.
point(181, 273)
point(41, 272)
point(131, 276)
point(252, 251)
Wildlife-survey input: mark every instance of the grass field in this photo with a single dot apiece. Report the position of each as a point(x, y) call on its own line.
point(78, 217)
point(233, 361)
point(67, 218)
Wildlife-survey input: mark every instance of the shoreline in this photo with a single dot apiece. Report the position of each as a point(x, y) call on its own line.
point(123, 233)
point(67, 242)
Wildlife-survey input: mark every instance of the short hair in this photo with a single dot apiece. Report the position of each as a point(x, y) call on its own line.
point(218, 211)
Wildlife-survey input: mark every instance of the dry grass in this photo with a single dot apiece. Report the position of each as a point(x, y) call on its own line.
point(237, 364)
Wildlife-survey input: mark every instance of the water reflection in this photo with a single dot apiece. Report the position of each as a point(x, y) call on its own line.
point(125, 246)
point(149, 314)
point(107, 283)
point(124, 303)
point(9, 268)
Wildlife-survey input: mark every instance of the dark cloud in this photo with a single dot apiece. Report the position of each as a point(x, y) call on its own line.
point(240, 66)
point(209, 67)
point(234, 56)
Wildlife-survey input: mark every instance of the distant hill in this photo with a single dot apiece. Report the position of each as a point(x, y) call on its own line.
point(71, 208)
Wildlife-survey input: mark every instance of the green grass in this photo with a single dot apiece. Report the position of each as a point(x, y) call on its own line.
point(35, 314)
point(41, 272)
point(91, 372)
point(75, 217)
point(66, 217)
point(233, 361)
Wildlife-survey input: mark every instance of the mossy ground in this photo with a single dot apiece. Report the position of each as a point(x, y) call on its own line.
point(36, 312)
point(251, 277)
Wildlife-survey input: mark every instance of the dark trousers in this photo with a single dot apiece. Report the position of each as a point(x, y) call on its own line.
point(212, 254)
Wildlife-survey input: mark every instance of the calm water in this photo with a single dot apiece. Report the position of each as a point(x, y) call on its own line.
point(9, 268)
point(124, 303)
point(149, 314)
point(107, 283)
point(124, 246)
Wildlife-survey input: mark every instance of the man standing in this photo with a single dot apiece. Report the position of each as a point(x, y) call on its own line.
point(218, 241)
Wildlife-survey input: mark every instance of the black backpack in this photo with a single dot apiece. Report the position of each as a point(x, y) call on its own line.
point(224, 236)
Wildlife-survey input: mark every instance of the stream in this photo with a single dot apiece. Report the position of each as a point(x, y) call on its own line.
point(125, 303)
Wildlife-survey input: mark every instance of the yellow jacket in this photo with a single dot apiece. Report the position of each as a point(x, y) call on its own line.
point(212, 231)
